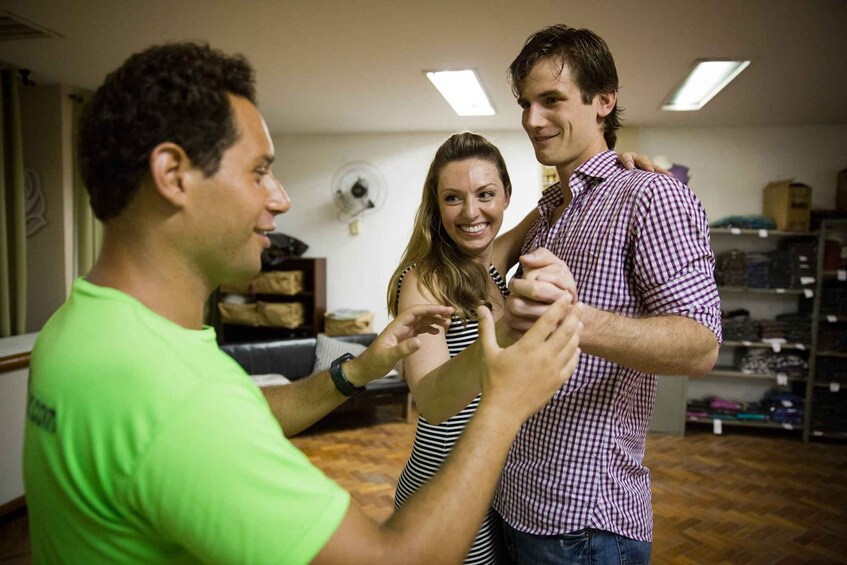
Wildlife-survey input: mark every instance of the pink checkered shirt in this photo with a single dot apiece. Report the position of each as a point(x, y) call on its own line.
point(638, 245)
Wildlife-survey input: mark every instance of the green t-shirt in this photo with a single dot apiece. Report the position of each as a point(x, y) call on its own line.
point(145, 443)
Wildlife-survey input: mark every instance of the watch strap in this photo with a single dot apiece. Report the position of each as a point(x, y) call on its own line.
point(341, 383)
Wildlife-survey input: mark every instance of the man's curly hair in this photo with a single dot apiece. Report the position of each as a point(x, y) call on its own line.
point(175, 92)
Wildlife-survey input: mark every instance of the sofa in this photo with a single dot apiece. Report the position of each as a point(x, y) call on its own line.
point(296, 358)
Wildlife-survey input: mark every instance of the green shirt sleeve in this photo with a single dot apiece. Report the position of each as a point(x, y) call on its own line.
point(222, 481)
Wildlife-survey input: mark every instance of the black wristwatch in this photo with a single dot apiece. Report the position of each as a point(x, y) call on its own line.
point(344, 386)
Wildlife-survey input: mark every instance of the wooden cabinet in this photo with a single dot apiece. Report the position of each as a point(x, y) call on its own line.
point(286, 302)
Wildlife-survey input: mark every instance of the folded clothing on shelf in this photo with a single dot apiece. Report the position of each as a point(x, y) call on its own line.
point(752, 222)
point(773, 329)
point(723, 409)
point(784, 408)
point(768, 362)
point(758, 270)
point(731, 268)
point(737, 326)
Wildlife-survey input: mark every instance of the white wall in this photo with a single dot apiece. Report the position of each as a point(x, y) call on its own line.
point(731, 165)
point(358, 267)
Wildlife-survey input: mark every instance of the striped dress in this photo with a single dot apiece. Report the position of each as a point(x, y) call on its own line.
point(434, 443)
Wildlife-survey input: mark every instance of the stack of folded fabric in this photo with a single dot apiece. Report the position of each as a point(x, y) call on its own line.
point(798, 327)
point(722, 409)
point(784, 408)
point(737, 326)
point(752, 412)
point(753, 222)
point(758, 265)
point(789, 364)
point(802, 255)
point(753, 361)
point(767, 362)
point(697, 409)
point(731, 268)
point(773, 329)
point(780, 269)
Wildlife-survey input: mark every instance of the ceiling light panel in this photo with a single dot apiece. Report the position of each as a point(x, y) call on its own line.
point(706, 79)
point(463, 91)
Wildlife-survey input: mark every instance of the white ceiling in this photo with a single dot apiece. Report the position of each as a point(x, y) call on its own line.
point(356, 66)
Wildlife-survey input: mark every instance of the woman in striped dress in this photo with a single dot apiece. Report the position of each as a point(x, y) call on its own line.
point(453, 259)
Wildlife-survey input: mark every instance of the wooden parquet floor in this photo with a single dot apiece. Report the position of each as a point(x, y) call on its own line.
point(737, 498)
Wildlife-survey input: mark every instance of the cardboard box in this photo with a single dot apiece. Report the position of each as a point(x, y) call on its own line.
point(348, 322)
point(789, 204)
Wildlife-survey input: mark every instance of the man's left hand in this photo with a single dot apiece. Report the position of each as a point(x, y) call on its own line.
point(397, 340)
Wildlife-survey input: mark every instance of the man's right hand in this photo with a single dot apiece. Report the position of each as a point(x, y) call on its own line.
point(524, 376)
point(546, 278)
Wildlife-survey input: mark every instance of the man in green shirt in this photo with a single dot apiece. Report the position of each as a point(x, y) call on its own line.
point(144, 442)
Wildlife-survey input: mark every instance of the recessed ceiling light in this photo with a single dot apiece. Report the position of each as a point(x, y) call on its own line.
point(463, 91)
point(707, 78)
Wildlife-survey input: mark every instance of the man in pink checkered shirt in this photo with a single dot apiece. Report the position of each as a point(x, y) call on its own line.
point(633, 246)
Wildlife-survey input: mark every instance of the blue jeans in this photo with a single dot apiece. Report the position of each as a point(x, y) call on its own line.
point(586, 546)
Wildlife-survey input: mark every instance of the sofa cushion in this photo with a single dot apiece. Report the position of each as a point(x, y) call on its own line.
point(290, 357)
point(328, 349)
point(293, 358)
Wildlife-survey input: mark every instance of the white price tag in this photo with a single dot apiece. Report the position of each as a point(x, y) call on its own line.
point(735, 231)
point(834, 387)
point(807, 280)
point(831, 319)
point(802, 258)
point(717, 427)
point(800, 346)
point(776, 346)
point(787, 404)
point(780, 291)
point(782, 380)
point(842, 274)
point(817, 433)
point(747, 343)
point(788, 426)
point(763, 233)
point(808, 292)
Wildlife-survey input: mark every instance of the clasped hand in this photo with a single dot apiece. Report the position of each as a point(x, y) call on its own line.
point(545, 280)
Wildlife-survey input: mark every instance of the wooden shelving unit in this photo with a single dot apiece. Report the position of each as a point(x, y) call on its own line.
point(726, 380)
point(312, 297)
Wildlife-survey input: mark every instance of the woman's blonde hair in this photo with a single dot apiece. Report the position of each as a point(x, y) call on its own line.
point(442, 268)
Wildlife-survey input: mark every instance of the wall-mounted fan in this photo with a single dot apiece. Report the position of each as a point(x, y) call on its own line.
point(358, 189)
